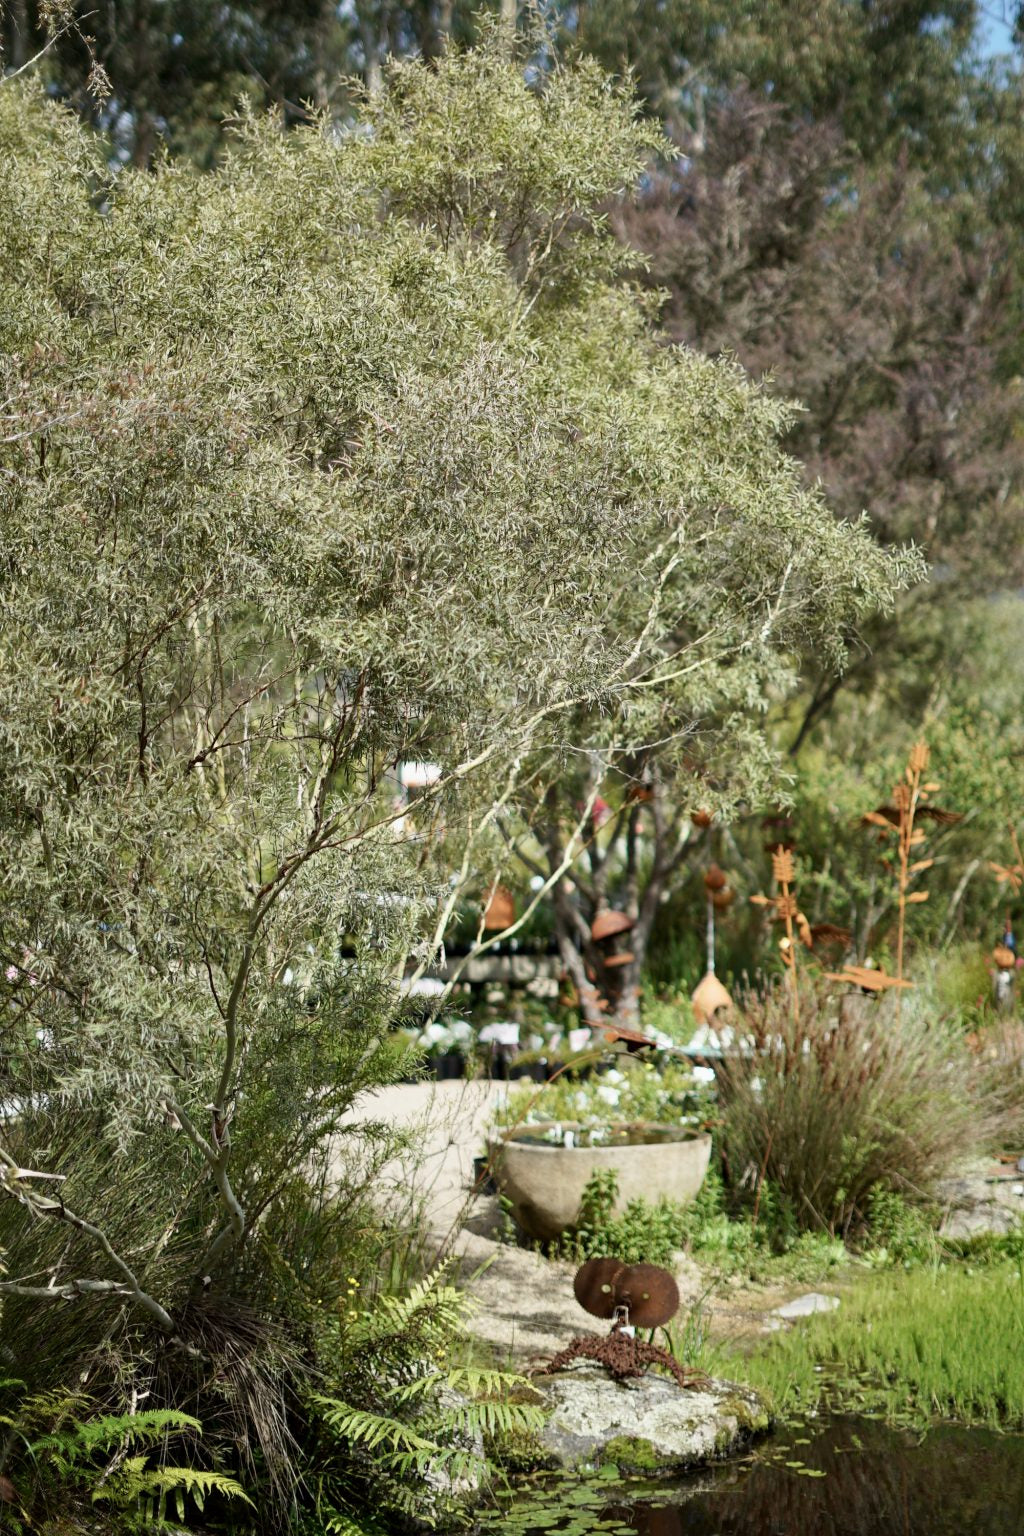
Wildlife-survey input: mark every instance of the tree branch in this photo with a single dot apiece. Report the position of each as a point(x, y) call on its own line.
point(13, 1182)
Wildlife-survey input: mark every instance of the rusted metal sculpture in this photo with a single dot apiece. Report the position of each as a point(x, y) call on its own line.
point(633, 1295)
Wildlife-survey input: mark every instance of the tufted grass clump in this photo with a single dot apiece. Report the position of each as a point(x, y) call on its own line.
point(843, 1101)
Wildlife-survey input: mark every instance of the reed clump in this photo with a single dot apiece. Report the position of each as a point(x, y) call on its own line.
point(831, 1102)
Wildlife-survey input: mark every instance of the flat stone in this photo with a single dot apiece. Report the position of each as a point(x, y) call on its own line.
point(646, 1423)
point(806, 1306)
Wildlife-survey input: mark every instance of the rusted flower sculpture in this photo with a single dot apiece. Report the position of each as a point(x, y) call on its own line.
point(1011, 874)
point(786, 911)
point(900, 820)
point(634, 1296)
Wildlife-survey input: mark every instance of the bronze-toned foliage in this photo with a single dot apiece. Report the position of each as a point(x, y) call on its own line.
point(910, 805)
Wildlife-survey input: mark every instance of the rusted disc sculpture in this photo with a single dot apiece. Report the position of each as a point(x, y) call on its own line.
point(634, 1296)
point(649, 1294)
point(594, 1286)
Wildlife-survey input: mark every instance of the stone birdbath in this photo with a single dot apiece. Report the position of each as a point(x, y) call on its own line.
point(542, 1170)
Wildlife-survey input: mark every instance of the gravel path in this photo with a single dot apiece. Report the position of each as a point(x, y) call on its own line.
point(449, 1119)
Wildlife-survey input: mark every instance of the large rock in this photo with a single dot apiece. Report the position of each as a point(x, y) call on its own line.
point(442, 1498)
point(646, 1423)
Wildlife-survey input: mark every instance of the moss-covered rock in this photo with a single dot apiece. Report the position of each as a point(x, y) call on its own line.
point(646, 1424)
point(632, 1454)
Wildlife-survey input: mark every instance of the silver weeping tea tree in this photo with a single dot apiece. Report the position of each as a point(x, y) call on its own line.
point(352, 452)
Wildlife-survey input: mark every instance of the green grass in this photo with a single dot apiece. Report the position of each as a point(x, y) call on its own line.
point(916, 1346)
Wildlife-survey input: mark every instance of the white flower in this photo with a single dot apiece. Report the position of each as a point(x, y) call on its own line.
point(703, 1074)
point(614, 1076)
point(609, 1095)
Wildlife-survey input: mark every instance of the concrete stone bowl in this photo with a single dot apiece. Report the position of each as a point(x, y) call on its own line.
point(544, 1180)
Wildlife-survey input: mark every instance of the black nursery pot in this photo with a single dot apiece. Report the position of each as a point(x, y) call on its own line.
point(450, 1064)
point(528, 1071)
point(483, 1178)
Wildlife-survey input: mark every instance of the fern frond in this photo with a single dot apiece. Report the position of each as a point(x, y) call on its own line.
point(373, 1430)
point(473, 1380)
point(110, 1429)
point(333, 1523)
point(135, 1480)
point(446, 1308)
point(488, 1416)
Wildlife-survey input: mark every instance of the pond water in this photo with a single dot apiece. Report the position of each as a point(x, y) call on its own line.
point(846, 1477)
point(549, 1133)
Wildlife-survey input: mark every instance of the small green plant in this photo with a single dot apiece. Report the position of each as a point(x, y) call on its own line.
point(900, 1233)
point(648, 1233)
point(643, 1233)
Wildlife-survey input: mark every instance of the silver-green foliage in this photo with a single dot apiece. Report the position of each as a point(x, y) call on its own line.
point(348, 453)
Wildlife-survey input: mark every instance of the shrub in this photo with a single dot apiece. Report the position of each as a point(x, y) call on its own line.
point(962, 984)
point(841, 1102)
point(663, 1092)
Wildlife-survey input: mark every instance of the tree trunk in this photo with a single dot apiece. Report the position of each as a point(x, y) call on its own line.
point(19, 34)
point(611, 994)
point(373, 74)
